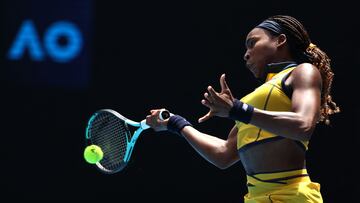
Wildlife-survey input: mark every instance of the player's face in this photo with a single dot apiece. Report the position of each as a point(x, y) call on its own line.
point(260, 50)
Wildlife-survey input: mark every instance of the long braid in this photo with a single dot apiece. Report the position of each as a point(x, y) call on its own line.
point(303, 50)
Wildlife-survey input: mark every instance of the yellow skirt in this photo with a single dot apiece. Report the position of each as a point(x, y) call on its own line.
point(290, 187)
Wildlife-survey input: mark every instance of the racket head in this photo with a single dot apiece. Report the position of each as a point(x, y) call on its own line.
point(108, 130)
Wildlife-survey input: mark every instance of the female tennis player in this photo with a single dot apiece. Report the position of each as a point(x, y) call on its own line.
point(274, 123)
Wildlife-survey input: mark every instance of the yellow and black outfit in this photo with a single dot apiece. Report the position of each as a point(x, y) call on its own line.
point(285, 186)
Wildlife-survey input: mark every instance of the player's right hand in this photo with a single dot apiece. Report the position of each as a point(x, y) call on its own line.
point(155, 122)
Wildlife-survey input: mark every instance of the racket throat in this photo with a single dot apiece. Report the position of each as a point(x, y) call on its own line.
point(128, 153)
point(143, 125)
point(131, 144)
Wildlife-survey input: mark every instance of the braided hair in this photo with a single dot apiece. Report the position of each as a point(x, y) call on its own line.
point(303, 50)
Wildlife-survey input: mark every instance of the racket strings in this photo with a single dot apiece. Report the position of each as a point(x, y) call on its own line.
point(112, 135)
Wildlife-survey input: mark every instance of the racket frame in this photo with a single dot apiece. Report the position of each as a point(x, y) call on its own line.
point(141, 126)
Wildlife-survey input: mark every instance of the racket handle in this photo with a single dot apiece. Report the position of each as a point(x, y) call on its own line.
point(163, 115)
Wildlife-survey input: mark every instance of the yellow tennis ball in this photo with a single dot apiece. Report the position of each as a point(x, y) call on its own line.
point(93, 154)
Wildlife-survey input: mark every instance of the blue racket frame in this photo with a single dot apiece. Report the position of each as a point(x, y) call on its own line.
point(141, 126)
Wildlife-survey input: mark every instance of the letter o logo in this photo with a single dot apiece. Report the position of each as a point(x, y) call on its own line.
point(59, 52)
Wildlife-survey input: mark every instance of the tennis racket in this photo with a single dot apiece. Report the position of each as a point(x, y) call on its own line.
point(111, 132)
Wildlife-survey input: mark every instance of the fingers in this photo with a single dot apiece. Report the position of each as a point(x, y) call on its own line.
point(155, 112)
point(209, 114)
point(154, 121)
point(205, 118)
point(161, 122)
point(206, 103)
point(223, 83)
point(209, 98)
point(154, 115)
point(213, 94)
point(149, 121)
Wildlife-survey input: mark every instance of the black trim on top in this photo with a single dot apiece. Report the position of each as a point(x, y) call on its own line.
point(288, 90)
point(300, 144)
point(251, 144)
point(276, 68)
point(264, 108)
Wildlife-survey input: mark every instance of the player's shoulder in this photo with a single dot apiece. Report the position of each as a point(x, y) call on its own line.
point(306, 69)
point(306, 73)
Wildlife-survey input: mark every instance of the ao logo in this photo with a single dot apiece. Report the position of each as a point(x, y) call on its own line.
point(28, 39)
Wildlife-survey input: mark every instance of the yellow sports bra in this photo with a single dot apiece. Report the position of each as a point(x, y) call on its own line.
point(269, 96)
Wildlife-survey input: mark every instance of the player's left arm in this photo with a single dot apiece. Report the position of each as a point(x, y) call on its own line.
point(299, 123)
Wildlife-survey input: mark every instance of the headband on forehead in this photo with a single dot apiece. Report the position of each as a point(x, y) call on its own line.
point(271, 25)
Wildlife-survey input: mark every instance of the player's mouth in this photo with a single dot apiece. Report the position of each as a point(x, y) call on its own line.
point(253, 69)
point(250, 67)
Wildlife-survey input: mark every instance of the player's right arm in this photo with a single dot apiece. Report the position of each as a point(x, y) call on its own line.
point(221, 153)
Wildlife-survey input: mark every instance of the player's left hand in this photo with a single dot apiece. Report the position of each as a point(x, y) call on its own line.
point(219, 103)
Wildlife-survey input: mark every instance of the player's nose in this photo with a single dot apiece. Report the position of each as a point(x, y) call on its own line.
point(246, 56)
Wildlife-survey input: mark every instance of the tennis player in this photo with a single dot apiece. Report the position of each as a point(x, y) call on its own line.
point(275, 122)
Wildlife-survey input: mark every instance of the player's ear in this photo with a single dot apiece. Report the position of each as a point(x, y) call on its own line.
point(281, 40)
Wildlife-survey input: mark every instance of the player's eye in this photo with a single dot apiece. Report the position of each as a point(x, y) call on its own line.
point(250, 43)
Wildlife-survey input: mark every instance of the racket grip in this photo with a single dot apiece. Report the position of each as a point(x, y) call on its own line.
point(164, 114)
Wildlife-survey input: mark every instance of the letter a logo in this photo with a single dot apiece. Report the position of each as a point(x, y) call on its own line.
point(27, 38)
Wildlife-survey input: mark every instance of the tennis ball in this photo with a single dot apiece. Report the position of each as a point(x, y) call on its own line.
point(93, 154)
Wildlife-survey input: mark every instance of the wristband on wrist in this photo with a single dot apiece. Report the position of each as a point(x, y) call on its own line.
point(241, 111)
point(176, 123)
